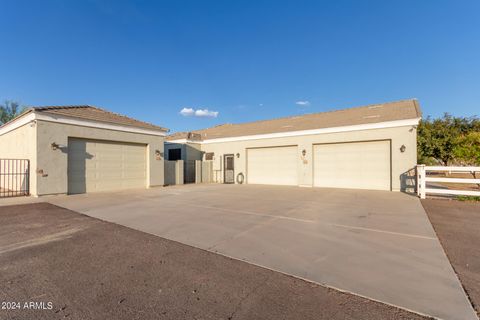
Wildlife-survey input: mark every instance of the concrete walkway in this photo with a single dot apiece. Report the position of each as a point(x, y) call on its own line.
point(372, 243)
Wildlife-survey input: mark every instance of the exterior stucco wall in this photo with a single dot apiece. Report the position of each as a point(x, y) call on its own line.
point(173, 172)
point(189, 153)
point(401, 163)
point(52, 165)
point(20, 143)
point(193, 151)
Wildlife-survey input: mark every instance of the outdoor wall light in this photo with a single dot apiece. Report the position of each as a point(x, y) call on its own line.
point(304, 152)
point(238, 155)
point(158, 154)
point(54, 146)
point(402, 148)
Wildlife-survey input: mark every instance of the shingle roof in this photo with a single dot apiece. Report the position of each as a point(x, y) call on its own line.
point(177, 135)
point(87, 112)
point(390, 111)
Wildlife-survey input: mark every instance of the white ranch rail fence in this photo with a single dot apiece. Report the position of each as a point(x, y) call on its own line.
point(422, 180)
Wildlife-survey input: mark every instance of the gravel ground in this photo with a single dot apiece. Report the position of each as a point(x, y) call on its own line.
point(457, 225)
point(90, 269)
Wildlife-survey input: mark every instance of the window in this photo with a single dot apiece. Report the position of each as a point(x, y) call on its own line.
point(229, 163)
point(209, 156)
point(175, 154)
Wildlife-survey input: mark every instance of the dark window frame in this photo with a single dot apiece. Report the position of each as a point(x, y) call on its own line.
point(175, 154)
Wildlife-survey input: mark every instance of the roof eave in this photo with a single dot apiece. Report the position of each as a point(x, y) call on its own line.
point(417, 108)
point(292, 133)
point(160, 129)
point(17, 117)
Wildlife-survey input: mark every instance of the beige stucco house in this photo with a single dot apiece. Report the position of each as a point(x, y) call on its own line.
point(77, 149)
point(368, 147)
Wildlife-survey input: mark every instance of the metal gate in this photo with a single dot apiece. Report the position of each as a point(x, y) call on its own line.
point(189, 171)
point(14, 177)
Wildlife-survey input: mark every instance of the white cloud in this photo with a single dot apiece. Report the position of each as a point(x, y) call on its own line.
point(206, 113)
point(201, 113)
point(186, 112)
point(304, 103)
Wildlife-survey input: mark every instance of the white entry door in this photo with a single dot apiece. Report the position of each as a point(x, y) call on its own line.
point(273, 165)
point(354, 165)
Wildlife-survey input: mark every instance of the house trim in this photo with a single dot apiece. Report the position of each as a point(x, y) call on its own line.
point(17, 123)
point(180, 141)
point(33, 116)
point(369, 126)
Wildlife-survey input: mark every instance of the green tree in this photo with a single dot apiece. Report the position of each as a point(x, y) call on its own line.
point(9, 110)
point(438, 138)
point(467, 150)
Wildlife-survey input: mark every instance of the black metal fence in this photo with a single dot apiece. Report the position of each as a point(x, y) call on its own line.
point(14, 177)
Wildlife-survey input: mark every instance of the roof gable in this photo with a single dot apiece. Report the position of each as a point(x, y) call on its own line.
point(86, 112)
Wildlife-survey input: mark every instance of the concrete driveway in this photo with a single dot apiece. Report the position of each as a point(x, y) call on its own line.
point(376, 244)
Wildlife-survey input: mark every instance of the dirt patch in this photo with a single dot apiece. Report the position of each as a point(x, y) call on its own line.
point(457, 225)
point(106, 271)
point(40, 240)
point(31, 225)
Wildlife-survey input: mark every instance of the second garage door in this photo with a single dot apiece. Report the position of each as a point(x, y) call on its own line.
point(105, 166)
point(276, 165)
point(356, 165)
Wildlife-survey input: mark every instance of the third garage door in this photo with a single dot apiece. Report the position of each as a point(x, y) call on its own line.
point(357, 165)
point(275, 165)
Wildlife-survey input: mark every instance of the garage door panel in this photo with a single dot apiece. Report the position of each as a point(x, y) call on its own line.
point(104, 166)
point(274, 166)
point(358, 165)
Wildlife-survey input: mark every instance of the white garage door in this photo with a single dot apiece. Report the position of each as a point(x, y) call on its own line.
point(276, 166)
point(105, 166)
point(357, 165)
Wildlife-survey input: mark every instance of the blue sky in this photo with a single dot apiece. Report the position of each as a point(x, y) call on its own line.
point(235, 61)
